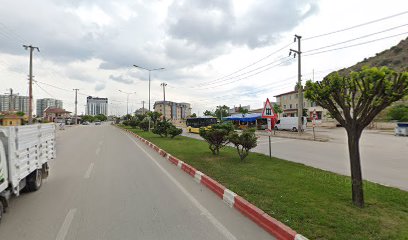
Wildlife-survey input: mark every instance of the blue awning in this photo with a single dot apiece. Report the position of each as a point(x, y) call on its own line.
point(249, 117)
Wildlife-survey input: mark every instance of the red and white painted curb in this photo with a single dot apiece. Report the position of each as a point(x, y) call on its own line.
point(270, 224)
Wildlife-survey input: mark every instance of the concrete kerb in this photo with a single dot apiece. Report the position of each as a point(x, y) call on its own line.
point(270, 224)
point(229, 197)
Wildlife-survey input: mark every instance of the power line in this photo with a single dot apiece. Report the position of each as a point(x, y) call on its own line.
point(16, 35)
point(253, 70)
point(361, 37)
point(358, 44)
point(356, 26)
point(44, 90)
point(279, 83)
point(246, 77)
point(250, 65)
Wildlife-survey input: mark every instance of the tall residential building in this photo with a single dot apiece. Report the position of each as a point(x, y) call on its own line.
point(14, 103)
point(174, 111)
point(44, 103)
point(96, 106)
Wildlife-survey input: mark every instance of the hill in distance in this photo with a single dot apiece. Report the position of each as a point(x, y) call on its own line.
point(395, 58)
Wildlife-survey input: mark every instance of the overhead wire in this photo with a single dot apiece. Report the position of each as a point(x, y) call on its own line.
point(288, 59)
point(355, 26)
point(250, 65)
point(354, 45)
point(357, 38)
point(253, 70)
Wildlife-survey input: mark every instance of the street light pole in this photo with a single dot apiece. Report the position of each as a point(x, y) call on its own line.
point(127, 100)
point(149, 70)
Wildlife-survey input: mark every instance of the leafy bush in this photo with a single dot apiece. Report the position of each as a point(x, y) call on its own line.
point(173, 131)
point(165, 128)
point(100, 117)
point(133, 123)
point(144, 124)
point(244, 142)
point(399, 113)
point(88, 118)
point(126, 123)
point(161, 128)
point(216, 136)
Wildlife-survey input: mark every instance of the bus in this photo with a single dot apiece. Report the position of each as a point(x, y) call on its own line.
point(194, 124)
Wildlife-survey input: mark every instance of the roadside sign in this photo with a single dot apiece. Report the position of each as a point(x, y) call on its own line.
point(314, 117)
point(268, 110)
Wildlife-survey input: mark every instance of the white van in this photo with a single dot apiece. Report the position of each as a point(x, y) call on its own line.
point(290, 123)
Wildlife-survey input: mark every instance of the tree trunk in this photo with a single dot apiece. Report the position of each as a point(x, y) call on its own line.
point(355, 166)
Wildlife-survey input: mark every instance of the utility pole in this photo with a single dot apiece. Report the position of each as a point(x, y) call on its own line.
point(143, 102)
point(164, 97)
point(11, 103)
point(76, 103)
point(30, 87)
point(299, 84)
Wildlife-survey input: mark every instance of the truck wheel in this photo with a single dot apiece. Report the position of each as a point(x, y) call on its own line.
point(276, 128)
point(34, 180)
point(294, 129)
point(1, 210)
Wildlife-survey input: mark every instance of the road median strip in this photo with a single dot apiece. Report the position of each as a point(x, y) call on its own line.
point(268, 223)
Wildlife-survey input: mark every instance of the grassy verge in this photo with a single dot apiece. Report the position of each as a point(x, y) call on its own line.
point(313, 202)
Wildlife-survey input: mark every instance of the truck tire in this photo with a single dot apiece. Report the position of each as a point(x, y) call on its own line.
point(34, 180)
point(1, 210)
point(294, 129)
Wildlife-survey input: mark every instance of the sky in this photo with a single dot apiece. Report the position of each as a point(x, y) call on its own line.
point(215, 52)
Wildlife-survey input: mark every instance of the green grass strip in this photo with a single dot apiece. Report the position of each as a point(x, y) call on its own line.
point(313, 202)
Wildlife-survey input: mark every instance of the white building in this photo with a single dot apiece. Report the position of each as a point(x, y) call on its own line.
point(44, 103)
point(96, 106)
point(14, 103)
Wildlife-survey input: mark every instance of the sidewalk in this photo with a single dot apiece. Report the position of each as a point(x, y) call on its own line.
point(307, 135)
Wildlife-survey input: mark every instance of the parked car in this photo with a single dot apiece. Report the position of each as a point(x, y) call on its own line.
point(85, 123)
point(97, 123)
point(290, 123)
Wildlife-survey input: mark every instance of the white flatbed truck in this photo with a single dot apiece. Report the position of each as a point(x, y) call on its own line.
point(24, 155)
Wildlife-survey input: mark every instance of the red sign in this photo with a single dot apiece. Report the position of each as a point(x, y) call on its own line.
point(268, 110)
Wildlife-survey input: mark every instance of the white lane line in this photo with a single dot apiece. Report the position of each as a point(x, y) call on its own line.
point(88, 172)
point(224, 231)
point(98, 150)
point(62, 233)
point(100, 143)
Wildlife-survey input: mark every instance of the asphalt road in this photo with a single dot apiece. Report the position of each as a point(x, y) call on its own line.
point(104, 184)
point(384, 157)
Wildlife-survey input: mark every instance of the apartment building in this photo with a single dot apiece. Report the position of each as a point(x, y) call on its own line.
point(14, 102)
point(289, 102)
point(173, 110)
point(45, 103)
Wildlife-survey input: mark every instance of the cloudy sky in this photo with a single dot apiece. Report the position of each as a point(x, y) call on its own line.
point(214, 52)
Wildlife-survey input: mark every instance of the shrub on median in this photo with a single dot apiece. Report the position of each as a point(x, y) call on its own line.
point(165, 128)
point(243, 142)
point(216, 136)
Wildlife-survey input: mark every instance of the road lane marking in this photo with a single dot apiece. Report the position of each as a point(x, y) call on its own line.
point(62, 233)
point(98, 150)
point(224, 231)
point(88, 172)
point(100, 143)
